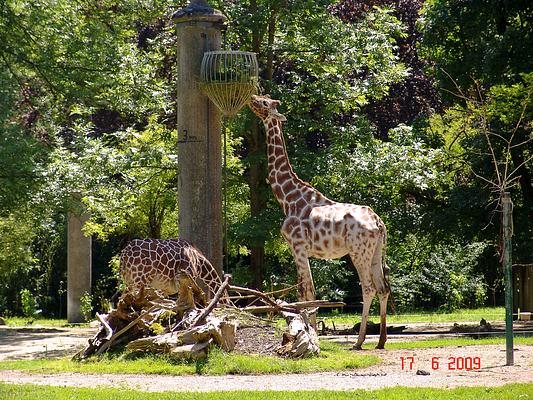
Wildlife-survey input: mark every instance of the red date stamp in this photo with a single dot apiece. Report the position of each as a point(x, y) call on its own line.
point(449, 364)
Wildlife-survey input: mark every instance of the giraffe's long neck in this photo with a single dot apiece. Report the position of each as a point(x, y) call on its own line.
point(286, 185)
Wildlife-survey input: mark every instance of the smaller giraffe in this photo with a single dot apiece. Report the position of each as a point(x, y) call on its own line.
point(157, 263)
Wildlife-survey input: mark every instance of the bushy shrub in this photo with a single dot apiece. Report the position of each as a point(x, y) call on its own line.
point(17, 263)
point(29, 303)
point(440, 277)
point(86, 306)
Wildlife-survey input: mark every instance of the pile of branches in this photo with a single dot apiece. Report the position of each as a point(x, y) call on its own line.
point(187, 327)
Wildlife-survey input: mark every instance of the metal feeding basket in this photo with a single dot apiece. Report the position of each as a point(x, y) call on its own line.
point(229, 79)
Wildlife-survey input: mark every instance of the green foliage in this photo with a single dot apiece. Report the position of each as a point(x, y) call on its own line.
point(89, 112)
point(16, 259)
point(487, 41)
point(323, 71)
point(330, 278)
point(133, 189)
point(482, 59)
point(442, 276)
point(157, 329)
point(488, 143)
point(87, 106)
point(29, 304)
point(86, 306)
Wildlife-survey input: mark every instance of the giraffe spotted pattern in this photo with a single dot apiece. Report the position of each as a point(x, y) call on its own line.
point(157, 263)
point(316, 226)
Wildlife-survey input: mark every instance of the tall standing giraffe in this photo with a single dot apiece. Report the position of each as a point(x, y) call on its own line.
point(316, 226)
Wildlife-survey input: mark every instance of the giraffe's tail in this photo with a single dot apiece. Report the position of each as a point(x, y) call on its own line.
point(386, 269)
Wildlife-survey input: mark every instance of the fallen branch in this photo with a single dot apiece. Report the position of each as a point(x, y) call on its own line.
point(316, 303)
point(205, 312)
point(108, 344)
point(106, 326)
point(256, 293)
point(294, 307)
point(240, 289)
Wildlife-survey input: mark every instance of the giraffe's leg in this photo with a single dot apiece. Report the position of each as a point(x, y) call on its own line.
point(383, 291)
point(383, 297)
point(363, 266)
point(368, 295)
point(306, 286)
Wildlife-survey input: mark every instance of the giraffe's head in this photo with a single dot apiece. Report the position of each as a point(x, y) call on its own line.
point(265, 107)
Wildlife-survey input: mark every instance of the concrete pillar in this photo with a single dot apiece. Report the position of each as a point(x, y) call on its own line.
point(199, 133)
point(78, 265)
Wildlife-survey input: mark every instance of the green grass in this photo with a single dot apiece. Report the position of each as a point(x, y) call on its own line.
point(333, 357)
point(32, 392)
point(462, 315)
point(45, 322)
point(458, 341)
point(104, 365)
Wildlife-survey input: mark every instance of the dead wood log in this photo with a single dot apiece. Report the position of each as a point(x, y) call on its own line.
point(215, 330)
point(300, 340)
point(278, 305)
point(228, 332)
point(222, 332)
point(156, 344)
point(188, 328)
point(135, 309)
point(192, 352)
point(174, 344)
point(109, 331)
point(106, 345)
point(137, 312)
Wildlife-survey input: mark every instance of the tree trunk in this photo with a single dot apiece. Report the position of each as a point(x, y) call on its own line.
point(258, 166)
point(258, 190)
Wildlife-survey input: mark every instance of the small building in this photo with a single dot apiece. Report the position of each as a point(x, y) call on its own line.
point(523, 290)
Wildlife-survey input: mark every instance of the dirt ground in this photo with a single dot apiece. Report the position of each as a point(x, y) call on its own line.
point(435, 367)
point(41, 342)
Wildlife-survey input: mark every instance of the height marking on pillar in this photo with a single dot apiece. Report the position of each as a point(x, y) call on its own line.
point(186, 138)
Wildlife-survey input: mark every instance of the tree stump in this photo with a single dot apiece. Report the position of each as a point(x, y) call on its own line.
point(300, 340)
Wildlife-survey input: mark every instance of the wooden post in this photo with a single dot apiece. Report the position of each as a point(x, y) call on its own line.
point(507, 209)
point(199, 128)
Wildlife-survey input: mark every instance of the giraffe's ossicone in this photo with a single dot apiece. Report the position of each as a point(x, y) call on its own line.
point(157, 263)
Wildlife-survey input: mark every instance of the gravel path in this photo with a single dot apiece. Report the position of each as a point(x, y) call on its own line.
point(493, 372)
